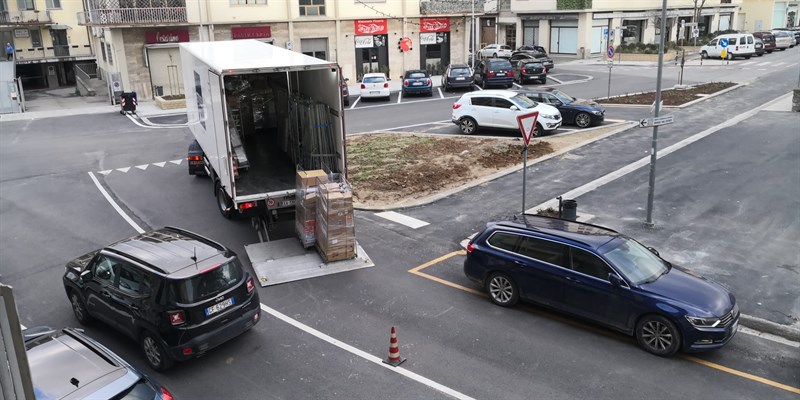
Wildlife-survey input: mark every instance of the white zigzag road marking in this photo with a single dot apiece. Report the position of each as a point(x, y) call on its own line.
point(123, 169)
point(177, 162)
point(160, 164)
point(143, 166)
point(106, 172)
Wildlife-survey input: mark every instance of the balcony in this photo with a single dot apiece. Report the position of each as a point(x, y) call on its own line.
point(25, 18)
point(573, 4)
point(451, 7)
point(133, 13)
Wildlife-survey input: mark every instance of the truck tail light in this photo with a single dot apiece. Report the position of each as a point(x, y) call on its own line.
point(194, 158)
point(456, 105)
point(250, 285)
point(176, 317)
point(235, 166)
point(247, 206)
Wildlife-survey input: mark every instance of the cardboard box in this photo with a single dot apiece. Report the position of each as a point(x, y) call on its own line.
point(309, 179)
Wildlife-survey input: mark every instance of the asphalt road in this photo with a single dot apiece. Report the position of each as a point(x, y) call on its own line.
point(51, 211)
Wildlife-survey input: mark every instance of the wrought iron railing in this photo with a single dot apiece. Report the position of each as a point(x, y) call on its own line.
point(25, 17)
point(132, 16)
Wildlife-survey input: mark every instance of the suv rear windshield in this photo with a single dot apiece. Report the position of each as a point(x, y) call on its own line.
point(207, 285)
point(416, 75)
point(504, 64)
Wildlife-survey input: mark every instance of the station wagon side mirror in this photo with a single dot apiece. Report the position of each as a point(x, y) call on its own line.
point(557, 103)
point(615, 280)
point(86, 276)
point(654, 251)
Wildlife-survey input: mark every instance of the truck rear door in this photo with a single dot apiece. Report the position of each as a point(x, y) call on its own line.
point(218, 121)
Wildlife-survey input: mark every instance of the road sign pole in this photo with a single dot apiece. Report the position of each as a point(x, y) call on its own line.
point(654, 146)
point(524, 175)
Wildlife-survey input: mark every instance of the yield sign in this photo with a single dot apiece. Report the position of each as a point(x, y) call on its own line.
point(527, 125)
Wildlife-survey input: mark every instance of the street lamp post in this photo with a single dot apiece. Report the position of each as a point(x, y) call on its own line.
point(654, 148)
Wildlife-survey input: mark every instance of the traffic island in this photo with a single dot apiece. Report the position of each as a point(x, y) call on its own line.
point(675, 97)
point(171, 102)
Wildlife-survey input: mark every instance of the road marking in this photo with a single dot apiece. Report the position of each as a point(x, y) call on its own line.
point(440, 92)
point(403, 127)
point(360, 353)
point(779, 64)
point(748, 63)
point(123, 170)
point(741, 374)
point(404, 103)
point(554, 79)
point(177, 162)
point(399, 97)
point(518, 86)
point(763, 64)
point(115, 205)
point(479, 88)
point(106, 172)
point(352, 106)
point(143, 166)
point(160, 164)
point(410, 222)
point(418, 271)
point(612, 176)
point(768, 336)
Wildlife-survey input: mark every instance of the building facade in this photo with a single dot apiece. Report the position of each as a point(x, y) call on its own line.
point(47, 40)
point(136, 41)
point(763, 15)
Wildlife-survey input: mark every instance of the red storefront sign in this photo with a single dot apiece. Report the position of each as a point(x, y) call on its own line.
point(154, 37)
point(434, 24)
point(371, 27)
point(251, 32)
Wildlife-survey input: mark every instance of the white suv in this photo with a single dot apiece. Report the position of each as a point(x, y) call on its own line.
point(499, 109)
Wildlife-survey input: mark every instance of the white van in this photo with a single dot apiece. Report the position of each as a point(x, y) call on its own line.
point(739, 45)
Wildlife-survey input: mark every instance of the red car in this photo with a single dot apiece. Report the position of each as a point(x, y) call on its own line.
point(769, 40)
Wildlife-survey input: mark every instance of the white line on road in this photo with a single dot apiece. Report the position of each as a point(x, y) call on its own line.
point(403, 127)
point(440, 92)
point(115, 205)
point(479, 88)
point(404, 103)
point(779, 64)
point(768, 336)
point(763, 64)
point(352, 106)
point(399, 97)
point(411, 222)
point(364, 355)
point(518, 86)
point(554, 79)
point(588, 187)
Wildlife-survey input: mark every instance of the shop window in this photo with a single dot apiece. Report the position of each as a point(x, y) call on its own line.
point(312, 7)
point(247, 2)
point(53, 4)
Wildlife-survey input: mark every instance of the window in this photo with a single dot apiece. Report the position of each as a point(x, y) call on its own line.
point(108, 51)
point(208, 284)
point(246, 2)
point(732, 41)
point(53, 4)
point(502, 103)
point(105, 269)
point(543, 250)
point(312, 7)
point(135, 282)
point(481, 101)
point(749, 40)
point(504, 240)
point(589, 264)
point(713, 42)
point(26, 5)
point(548, 98)
point(315, 47)
point(36, 38)
point(374, 79)
point(460, 72)
point(103, 50)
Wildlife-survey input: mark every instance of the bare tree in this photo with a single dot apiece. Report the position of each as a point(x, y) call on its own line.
point(698, 8)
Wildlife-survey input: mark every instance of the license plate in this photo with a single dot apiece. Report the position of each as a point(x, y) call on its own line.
point(196, 162)
point(417, 83)
point(460, 78)
point(501, 74)
point(219, 306)
point(374, 91)
point(286, 203)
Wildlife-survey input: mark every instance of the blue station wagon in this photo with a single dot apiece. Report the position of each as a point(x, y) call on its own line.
point(603, 276)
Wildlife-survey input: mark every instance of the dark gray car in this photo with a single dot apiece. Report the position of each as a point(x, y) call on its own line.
point(457, 76)
point(66, 363)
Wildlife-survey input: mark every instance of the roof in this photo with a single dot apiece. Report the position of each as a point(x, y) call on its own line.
point(249, 54)
point(170, 250)
point(590, 235)
point(55, 360)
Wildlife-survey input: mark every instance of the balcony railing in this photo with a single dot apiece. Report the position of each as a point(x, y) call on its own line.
point(434, 7)
point(133, 16)
point(25, 17)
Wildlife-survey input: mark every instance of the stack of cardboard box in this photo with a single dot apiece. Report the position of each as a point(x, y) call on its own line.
point(306, 205)
point(335, 231)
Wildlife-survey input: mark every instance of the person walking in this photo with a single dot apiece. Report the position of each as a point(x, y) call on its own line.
point(9, 52)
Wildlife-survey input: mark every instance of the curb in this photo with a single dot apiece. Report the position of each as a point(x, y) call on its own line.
point(785, 331)
point(623, 126)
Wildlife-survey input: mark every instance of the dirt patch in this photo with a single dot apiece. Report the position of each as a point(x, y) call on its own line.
point(396, 168)
point(671, 97)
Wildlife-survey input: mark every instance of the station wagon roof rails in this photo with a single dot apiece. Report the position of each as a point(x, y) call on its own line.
point(135, 259)
point(201, 238)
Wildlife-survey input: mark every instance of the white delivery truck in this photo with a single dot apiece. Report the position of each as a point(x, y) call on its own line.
point(259, 113)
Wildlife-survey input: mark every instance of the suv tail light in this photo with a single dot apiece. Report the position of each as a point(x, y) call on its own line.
point(456, 105)
point(470, 247)
point(363, 86)
point(386, 85)
point(250, 285)
point(405, 82)
point(165, 394)
point(176, 317)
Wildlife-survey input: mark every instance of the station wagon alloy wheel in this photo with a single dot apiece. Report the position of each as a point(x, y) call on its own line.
point(502, 290)
point(583, 120)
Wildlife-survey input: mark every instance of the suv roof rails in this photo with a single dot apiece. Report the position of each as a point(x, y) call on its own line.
point(135, 259)
point(201, 238)
point(574, 222)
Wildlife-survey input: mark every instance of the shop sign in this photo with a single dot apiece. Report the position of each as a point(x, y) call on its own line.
point(427, 38)
point(404, 44)
point(434, 24)
point(363, 42)
point(177, 36)
point(21, 33)
point(251, 32)
point(371, 27)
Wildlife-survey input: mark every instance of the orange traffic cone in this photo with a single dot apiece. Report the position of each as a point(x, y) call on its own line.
point(394, 351)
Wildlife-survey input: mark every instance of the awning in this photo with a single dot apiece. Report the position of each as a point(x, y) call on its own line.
point(59, 27)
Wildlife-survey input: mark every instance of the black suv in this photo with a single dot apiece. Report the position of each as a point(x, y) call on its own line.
point(67, 364)
point(177, 293)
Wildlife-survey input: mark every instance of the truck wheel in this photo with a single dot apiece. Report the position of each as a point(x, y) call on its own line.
point(224, 202)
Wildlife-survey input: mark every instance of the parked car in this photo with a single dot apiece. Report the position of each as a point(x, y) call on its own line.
point(499, 109)
point(495, 51)
point(538, 53)
point(768, 39)
point(417, 81)
point(532, 51)
point(494, 72)
point(793, 33)
point(177, 293)
point(759, 47)
point(375, 85)
point(579, 112)
point(598, 274)
point(739, 45)
point(783, 40)
point(345, 92)
point(457, 76)
point(530, 70)
point(68, 364)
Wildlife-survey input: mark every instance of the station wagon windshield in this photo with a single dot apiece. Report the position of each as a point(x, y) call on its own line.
point(636, 262)
point(565, 98)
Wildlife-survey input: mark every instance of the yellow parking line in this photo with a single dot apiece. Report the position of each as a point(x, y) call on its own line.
point(418, 271)
point(741, 374)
